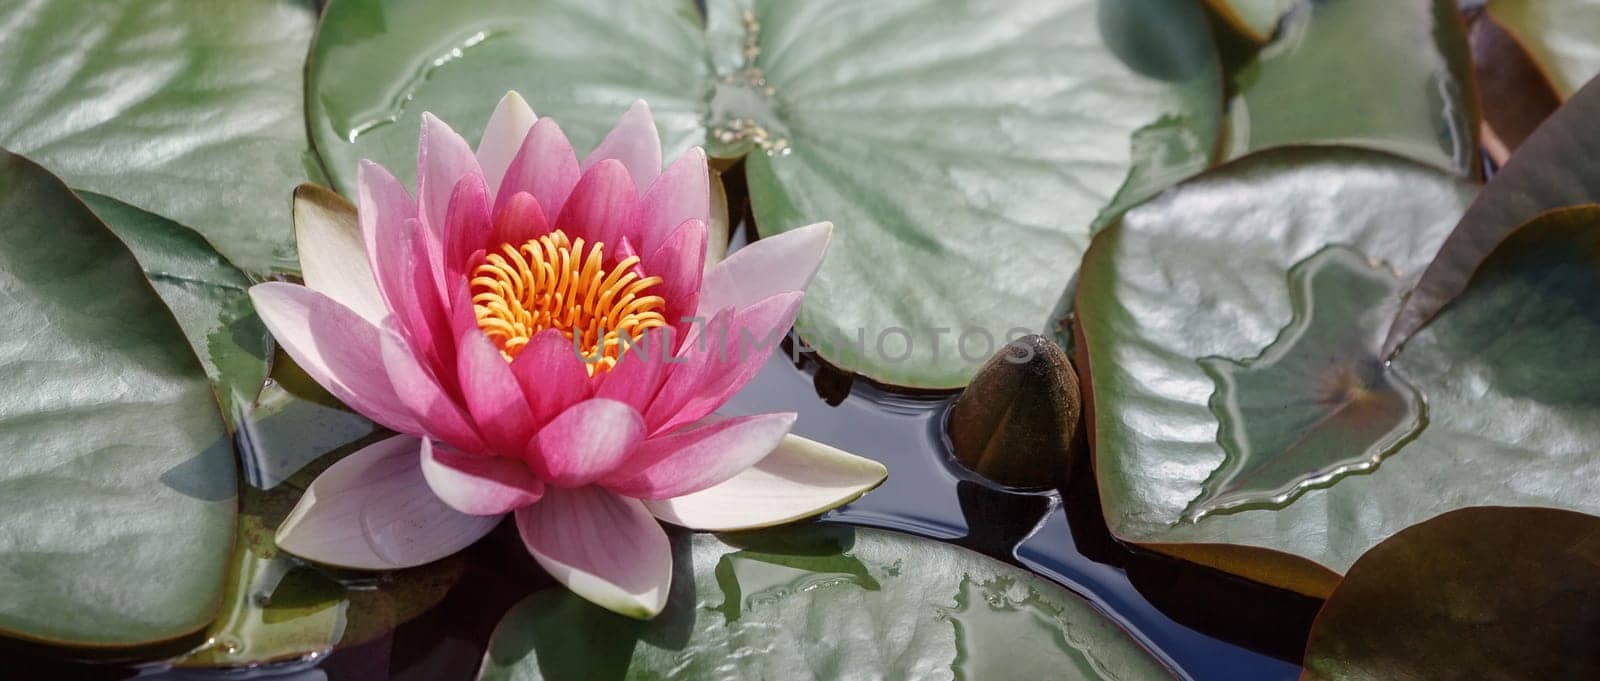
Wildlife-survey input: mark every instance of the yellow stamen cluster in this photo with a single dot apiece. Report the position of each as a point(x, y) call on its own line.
point(555, 283)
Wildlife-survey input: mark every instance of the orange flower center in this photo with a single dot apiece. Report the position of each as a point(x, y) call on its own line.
point(555, 283)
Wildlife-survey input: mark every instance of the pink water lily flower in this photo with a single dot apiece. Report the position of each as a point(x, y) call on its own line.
point(548, 341)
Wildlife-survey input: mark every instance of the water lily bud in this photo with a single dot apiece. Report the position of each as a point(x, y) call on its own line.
point(1016, 422)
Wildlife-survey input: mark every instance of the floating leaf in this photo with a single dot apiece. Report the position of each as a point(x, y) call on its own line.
point(1558, 166)
point(824, 602)
point(205, 293)
point(1512, 417)
point(1516, 96)
point(1479, 593)
point(186, 108)
point(117, 484)
point(946, 143)
point(1562, 35)
point(1391, 75)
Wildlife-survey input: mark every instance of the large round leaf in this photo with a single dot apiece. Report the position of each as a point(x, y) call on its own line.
point(1480, 593)
point(117, 476)
point(1222, 297)
point(205, 293)
point(825, 602)
point(1392, 75)
point(1562, 35)
point(962, 151)
point(187, 108)
point(1511, 415)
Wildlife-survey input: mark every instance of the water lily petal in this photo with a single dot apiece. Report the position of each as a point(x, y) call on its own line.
point(421, 391)
point(587, 441)
point(698, 457)
point(637, 376)
point(382, 208)
point(635, 142)
point(718, 361)
point(785, 262)
point(443, 158)
point(519, 220)
point(502, 137)
point(600, 205)
point(405, 278)
point(551, 374)
point(492, 395)
point(799, 479)
point(682, 192)
point(680, 261)
point(373, 510)
point(605, 548)
point(545, 166)
point(333, 255)
point(468, 226)
point(479, 485)
point(335, 346)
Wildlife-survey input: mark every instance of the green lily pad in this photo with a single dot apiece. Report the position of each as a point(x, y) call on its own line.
point(1257, 19)
point(1562, 35)
point(1511, 417)
point(205, 292)
point(824, 602)
point(1479, 593)
point(946, 143)
point(186, 108)
point(278, 607)
point(117, 486)
point(1391, 75)
point(1558, 166)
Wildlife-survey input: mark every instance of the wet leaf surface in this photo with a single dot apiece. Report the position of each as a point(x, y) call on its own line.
point(849, 602)
point(186, 108)
point(1562, 35)
point(1516, 96)
point(117, 487)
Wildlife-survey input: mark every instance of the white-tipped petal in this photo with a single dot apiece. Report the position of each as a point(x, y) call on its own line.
point(333, 256)
point(799, 479)
point(605, 548)
point(785, 262)
point(502, 137)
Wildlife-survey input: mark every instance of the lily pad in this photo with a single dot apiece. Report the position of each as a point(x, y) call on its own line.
point(1510, 414)
point(278, 607)
point(1516, 96)
point(946, 143)
point(1562, 35)
point(205, 292)
point(1479, 593)
point(117, 487)
point(186, 108)
point(1558, 166)
point(824, 602)
point(1391, 75)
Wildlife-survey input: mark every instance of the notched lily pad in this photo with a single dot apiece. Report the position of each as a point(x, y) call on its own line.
point(1318, 403)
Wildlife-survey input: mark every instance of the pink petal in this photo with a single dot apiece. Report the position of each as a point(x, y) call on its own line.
point(603, 547)
point(785, 262)
point(639, 373)
point(634, 142)
point(797, 480)
point(680, 262)
point(492, 395)
point(681, 193)
point(502, 137)
point(600, 206)
point(544, 167)
point(382, 208)
point(551, 374)
point(724, 362)
point(420, 390)
point(443, 158)
point(520, 220)
point(479, 485)
point(373, 510)
point(468, 227)
point(695, 458)
point(335, 346)
point(405, 278)
point(588, 440)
